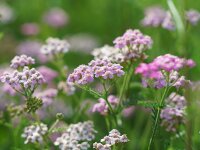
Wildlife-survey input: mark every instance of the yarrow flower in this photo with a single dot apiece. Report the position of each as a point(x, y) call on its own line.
point(105, 69)
point(77, 136)
point(96, 69)
point(102, 106)
point(56, 17)
point(173, 114)
point(21, 61)
point(163, 66)
point(27, 79)
point(48, 74)
point(168, 22)
point(133, 43)
point(113, 138)
point(154, 16)
point(55, 46)
point(30, 28)
point(35, 133)
point(47, 96)
point(193, 16)
point(6, 13)
point(108, 52)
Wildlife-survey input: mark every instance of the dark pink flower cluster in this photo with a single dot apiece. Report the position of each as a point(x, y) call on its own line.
point(96, 69)
point(162, 66)
point(21, 61)
point(102, 107)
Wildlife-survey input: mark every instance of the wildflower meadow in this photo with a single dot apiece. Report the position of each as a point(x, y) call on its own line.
point(99, 74)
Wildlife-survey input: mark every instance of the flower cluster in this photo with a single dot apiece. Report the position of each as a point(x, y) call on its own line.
point(55, 46)
point(193, 16)
point(156, 16)
point(6, 13)
point(133, 43)
point(56, 17)
point(164, 70)
point(27, 79)
point(173, 114)
point(47, 96)
point(77, 136)
point(35, 133)
point(21, 61)
point(96, 69)
point(113, 138)
point(48, 74)
point(108, 52)
point(102, 107)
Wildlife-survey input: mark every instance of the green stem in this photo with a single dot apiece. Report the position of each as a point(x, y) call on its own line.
point(109, 105)
point(53, 126)
point(157, 116)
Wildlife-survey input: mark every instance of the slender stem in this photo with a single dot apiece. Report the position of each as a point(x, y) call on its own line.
point(125, 82)
point(157, 117)
point(109, 105)
point(53, 126)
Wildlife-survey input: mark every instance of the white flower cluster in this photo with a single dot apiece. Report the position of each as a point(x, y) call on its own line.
point(55, 46)
point(34, 133)
point(108, 52)
point(77, 136)
point(113, 138)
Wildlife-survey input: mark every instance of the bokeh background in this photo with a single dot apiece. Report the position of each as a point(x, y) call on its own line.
point(88, 24)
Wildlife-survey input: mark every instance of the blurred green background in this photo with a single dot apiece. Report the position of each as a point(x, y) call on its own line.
point(105, 20)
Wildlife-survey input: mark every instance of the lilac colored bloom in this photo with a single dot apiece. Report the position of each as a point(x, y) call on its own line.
point(27, 79)
point(102, 106)
point(30, 28)
point(173, 114)
point(81, 75)
point(56, 17)
point(154, 16)
point(105, 69)
point(133, 43)
point(8, 90)
point(192, 16)
point(21, 61)
point(47, 96)
point(168, 22)
point(48, 74)
point(96, 69)
point(127, 112)
point(134, 39)
point(55, 46)
point(32, 48)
